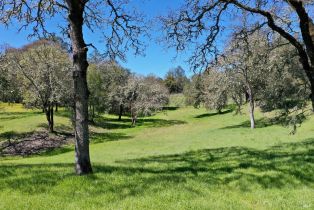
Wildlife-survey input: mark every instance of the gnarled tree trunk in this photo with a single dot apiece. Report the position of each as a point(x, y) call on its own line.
point(79, 48)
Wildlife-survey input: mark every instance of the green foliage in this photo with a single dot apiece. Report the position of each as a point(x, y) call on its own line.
point(144, 96)
point(9, 83)
point(193, 91)
point(286, 86)
point(175, 80)
point(105, 82)
point(43, 69)
point(177, 100)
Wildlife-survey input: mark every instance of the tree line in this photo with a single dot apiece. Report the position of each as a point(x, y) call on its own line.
point(39, 76)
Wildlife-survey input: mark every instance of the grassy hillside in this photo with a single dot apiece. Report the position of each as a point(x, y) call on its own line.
point(184, 158)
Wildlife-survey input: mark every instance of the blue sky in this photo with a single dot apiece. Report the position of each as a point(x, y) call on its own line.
point(158, 60)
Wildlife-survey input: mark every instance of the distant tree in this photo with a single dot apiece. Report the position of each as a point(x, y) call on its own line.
point(44, 69)
point(175, 80)
point(236, 90)
point(117, 101)
point(193, 91)
point(97, 92)
point(106, 80)
point(214, 90)
point(144, 96)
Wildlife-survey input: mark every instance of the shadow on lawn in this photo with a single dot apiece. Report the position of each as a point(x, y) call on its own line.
point(214, 114)
point(13, 135)
point(285, 165)
point(17, 115)
point(263, 122)
point(170, 108)
point(109, 123)
point(96, 138)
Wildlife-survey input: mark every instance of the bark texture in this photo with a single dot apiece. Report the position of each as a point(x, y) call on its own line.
point(79, 48)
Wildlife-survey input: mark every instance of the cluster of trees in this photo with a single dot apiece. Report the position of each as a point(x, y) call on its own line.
point(39, 76)
point(116, 90)
point(200, 24)
point(255, 69)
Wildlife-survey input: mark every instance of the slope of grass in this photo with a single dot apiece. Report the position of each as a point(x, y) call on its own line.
point(179, 159)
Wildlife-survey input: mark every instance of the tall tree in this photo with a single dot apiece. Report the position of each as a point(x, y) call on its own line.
point(202, 22)
point(121, 29)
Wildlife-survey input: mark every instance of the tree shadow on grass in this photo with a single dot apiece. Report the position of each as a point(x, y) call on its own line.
point(17, 115)
point(285, 165)
point(109, 123)
point(67, 113)
point(263, 122)
point(13, 135)
point(170, 108)
point(59, 129)
point(214, 114)
point(96, 138)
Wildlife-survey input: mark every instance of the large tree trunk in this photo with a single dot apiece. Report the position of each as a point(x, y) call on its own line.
point(79, 48)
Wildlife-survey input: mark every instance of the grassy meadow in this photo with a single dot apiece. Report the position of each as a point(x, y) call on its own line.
point(181, 158)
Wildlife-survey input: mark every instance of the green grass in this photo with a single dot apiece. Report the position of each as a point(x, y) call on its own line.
point(179, 159)
point(177, 100)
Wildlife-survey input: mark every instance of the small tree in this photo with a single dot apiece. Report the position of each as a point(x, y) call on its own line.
point(144, 96)
point(106, 80)
point(193, 91)
point(45, 72)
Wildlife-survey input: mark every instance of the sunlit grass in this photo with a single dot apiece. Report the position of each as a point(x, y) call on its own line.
point(179, 159)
